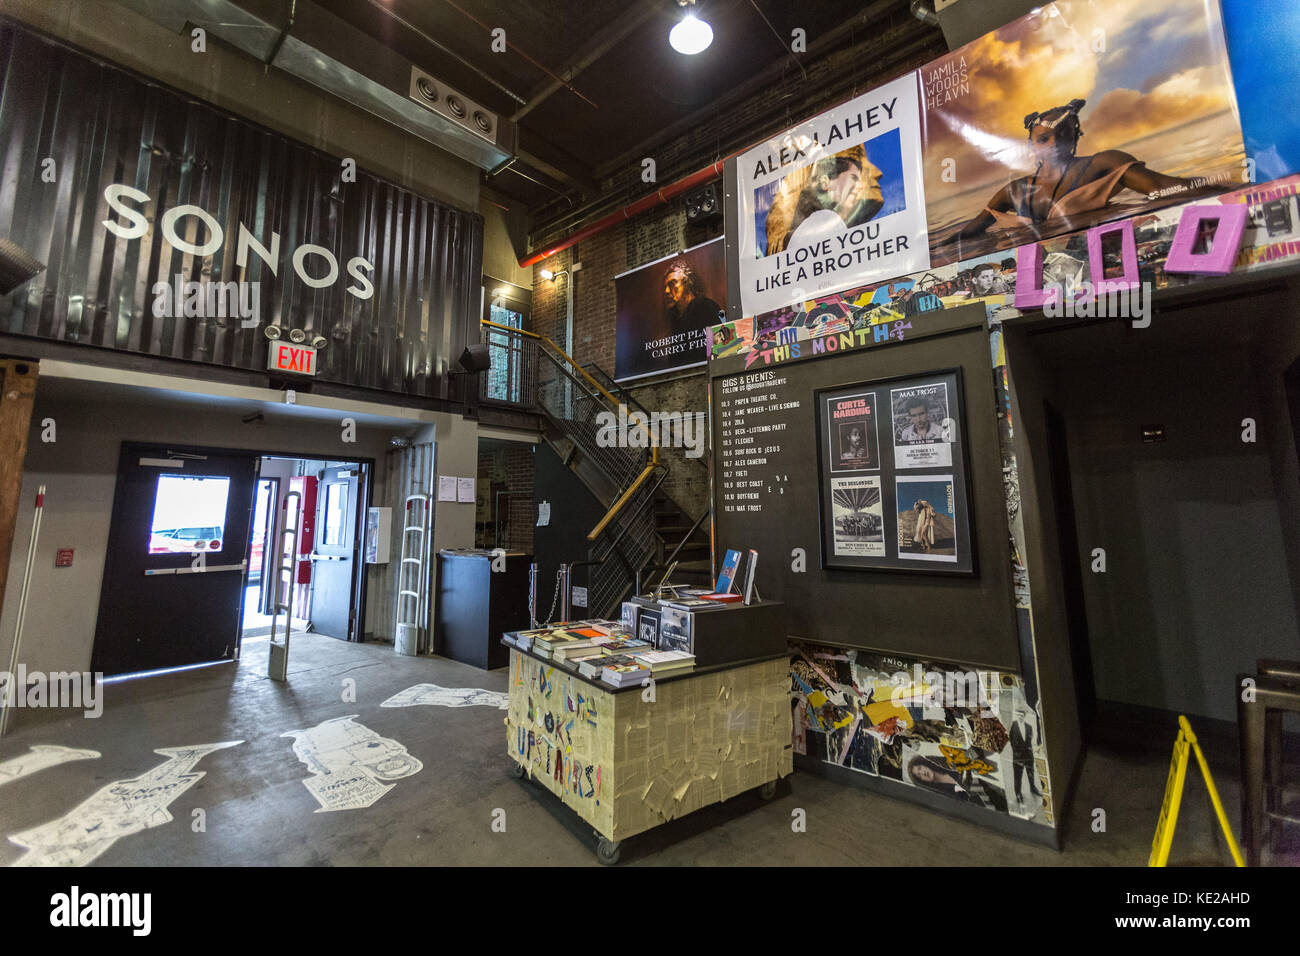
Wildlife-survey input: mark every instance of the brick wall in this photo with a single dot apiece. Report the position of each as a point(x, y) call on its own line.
point(507, 468)
point(651, 236)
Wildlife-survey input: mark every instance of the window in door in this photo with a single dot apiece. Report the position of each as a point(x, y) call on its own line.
point(189, 514)
point(502, 381)
point(336, 513)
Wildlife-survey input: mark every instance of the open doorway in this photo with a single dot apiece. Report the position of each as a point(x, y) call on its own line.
point(194, 555)
point(316, 576)
point(1171, 465)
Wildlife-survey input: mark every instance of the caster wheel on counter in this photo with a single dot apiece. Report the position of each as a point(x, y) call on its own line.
point(607, 852)
point(768, 790)
point(517, 771)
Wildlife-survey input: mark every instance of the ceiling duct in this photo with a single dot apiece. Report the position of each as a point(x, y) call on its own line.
point(317, 47)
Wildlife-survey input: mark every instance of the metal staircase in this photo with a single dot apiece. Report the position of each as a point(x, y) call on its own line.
point(643, 526)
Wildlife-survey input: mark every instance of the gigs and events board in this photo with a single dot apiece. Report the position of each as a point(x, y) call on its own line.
point(760, 430)
point(878, 467)
point(772, 482)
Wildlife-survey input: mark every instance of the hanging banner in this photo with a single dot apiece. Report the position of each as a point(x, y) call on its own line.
point(834, 202)
point(1079, 113)
point(1266, 71)
point(665, 310)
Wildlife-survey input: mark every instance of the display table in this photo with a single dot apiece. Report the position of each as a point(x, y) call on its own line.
point(625, 764)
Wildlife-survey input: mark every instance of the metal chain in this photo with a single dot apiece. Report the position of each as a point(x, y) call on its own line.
point(554, 598)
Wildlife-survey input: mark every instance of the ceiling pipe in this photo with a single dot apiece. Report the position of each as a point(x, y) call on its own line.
point(660, 196)
point(656, 198)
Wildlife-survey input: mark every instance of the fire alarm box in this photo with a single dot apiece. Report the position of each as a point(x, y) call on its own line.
point(306, 486)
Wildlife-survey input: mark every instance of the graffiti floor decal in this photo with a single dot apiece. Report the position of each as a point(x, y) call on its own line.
point(435, 696)
point(349, 763)
point(117, 810)
point(40, 757)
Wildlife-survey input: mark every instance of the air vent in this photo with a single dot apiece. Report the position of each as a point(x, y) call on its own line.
point(323, 50)
point(434, 95)
point(426, 90)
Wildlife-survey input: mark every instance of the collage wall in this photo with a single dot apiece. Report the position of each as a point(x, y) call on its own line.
point(1165, 128)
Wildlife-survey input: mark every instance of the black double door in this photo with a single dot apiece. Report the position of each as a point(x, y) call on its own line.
point(174, 571)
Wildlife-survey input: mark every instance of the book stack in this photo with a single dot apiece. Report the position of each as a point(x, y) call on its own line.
point(524, 639)
point(572, 654)
point(667, 663)
point(693, 603)
point(624, 671)
point(628, 645)
point(589, 630)
point(544, 646)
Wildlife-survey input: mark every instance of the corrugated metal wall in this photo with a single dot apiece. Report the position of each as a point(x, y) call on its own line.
point(102, 126)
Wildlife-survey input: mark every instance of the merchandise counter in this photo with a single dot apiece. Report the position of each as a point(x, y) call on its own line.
point(625, 760)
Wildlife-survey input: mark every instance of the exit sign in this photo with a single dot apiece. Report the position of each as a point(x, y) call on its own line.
point(287, 357)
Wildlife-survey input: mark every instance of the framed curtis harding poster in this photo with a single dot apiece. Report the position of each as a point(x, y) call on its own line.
point(892, 475)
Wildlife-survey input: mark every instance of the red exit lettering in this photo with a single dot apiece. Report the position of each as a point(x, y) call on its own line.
point(291, 358)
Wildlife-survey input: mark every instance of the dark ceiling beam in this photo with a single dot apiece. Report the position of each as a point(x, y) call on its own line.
point(762, 80)
point(443, 48)
point(545, 157)
point(613, 33)
point(569, 218)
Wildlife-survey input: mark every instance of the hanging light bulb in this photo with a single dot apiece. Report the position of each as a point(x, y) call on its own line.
point(692, 35)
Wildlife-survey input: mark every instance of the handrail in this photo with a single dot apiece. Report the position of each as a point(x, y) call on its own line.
point(617, 552)
point(686, 537)
point(617, 506)
point(654, 446)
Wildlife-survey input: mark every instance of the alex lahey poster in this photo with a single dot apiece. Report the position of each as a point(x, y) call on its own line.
point(1079, 113)
point(834, 202)
point(666, 309)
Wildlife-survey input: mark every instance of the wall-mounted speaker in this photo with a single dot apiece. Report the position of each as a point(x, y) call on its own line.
point(475, 358)
point(433, 94)
point(703, 203)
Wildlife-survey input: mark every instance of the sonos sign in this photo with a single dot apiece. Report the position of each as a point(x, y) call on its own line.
point(323, 263)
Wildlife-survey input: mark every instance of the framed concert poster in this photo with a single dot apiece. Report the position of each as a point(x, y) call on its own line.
point(893, 479)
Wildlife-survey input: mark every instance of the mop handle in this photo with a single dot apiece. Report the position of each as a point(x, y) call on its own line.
point(22, 606)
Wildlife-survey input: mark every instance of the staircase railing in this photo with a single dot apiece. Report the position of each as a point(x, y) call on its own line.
point(544, 378)
point(622, 554)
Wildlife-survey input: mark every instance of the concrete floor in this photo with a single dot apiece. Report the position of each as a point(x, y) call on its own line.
point(259, 813)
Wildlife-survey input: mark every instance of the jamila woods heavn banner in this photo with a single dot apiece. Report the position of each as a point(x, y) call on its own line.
point(1079, 113)
point(834, 202)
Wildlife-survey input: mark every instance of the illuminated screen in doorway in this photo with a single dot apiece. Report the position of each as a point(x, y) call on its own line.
point(189, 514)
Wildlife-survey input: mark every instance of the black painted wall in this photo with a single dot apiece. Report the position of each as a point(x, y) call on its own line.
point(574, 512)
